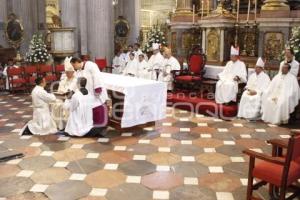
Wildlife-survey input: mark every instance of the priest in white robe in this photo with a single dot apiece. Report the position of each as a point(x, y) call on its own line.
point(129, 51)
point(281, 97)
point(156, 61)
point(137, 51)
point(234, 73)
point(258, 82)
point(131, 68)
point(68, 80)
point(118, 63)
point(290, 58)
point(143, 65)
point(91, 72)
point(10, 64)
point(42, 122)
point(170, 64)
point(80, 107)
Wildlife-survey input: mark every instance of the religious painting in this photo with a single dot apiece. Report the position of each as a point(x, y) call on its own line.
point(187, 40)
point(52, 14)
point(14, 31)
point(273, 45)
point(121, 27)
point(213, 45)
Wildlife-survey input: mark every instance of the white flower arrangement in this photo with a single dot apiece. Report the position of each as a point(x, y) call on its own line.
point(37, 50)
point(155, 35)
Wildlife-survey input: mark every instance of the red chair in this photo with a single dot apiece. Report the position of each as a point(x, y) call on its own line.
point(30, 74)
point(280, 171)
point(102, 63)
point(16, 79)
point(59, 69)
point(190, 79)
point(47, 72)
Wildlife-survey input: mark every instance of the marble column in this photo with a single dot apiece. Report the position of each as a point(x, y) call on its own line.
point(184, 6)
point(100, 29)
point(69, 16)
point(3, 18)
point(83, 36)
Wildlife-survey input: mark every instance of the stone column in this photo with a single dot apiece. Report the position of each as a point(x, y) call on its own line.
point(69, 16)
point(100, 29)
point(83, 27)
point(3, 18)
point(184, 6)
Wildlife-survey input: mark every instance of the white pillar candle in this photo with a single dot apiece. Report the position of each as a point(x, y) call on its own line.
point(248, 12)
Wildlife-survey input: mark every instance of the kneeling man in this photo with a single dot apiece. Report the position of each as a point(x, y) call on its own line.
point(42, 122)
point(281, 97)
point(257, 84)
point(80, 107)
point(234, 73)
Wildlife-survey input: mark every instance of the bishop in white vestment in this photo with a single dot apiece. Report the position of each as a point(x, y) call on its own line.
point(258, 82)
point(281, 97)
point(91, 72)
point(80, 107)
point(155, 62)
point(68, 81)
point(170, 63)
point(290, 58)
point(234, 73)
point(131, 68)
point(42, 122)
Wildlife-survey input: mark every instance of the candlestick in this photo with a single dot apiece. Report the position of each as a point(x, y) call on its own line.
point(202, 8)
point(237, 11)
point(193, 13)
point(248, 12)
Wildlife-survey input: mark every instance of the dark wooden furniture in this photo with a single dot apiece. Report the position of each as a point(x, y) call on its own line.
point(280, 170)
point(7, 53)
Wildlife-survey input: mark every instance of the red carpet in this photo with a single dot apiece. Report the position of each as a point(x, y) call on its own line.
point(201, 105)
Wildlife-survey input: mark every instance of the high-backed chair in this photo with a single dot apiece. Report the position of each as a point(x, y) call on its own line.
point(190, 79)
point(30, 73)
point(280, 170)
point(59, 69)
point(16, 79)
point(102, 64)
point(47, 72)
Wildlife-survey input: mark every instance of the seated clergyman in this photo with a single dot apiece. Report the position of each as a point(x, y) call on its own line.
point(281, 97)
point(234, 73)
point(257, 84)
point(80, 107)
point(42, 122)
point(68, 80)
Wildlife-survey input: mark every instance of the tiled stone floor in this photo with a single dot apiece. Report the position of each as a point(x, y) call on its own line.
point(184, 157)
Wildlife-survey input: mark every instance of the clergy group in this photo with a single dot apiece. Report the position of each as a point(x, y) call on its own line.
point(79, 104)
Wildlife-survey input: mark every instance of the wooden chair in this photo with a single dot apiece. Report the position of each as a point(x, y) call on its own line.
point(16, 79)
point(47, 72)
point(59, 69)
point(190, 79)
point(30, 74)
point(279, 170)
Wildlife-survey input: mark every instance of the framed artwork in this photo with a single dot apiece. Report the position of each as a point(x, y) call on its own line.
point(14, 31)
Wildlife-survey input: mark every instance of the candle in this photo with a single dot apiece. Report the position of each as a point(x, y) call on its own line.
point(248, 13)
point(255, 10)
point(193, 13)
point(202, 8)
point(237, 11)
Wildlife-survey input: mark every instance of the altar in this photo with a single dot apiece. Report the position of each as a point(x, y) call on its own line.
point(135, 101)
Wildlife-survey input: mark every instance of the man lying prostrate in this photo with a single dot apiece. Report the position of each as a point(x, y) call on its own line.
point(42, 122)
point(80, 107)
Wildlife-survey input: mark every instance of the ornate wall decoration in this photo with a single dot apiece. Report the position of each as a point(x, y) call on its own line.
point(187, 40)
point(14, 31)
point(213, 45)
point(273, 45)
point(248, 41)
point(52, 14)
point(174, 42)
point(121, 31)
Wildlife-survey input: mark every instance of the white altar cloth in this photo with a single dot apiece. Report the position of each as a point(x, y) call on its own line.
point(145, 100)
point(212, 71)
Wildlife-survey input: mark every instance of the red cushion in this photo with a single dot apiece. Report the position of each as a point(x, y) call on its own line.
point(102, 63)
point(18, 81)
point(272, 173)
point(51, 78)
point(196, 62)
point(188, 78)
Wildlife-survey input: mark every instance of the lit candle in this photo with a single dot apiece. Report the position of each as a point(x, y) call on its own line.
point(248, 13)
point(193, 13)
point(237, 11)
point(202, 8)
